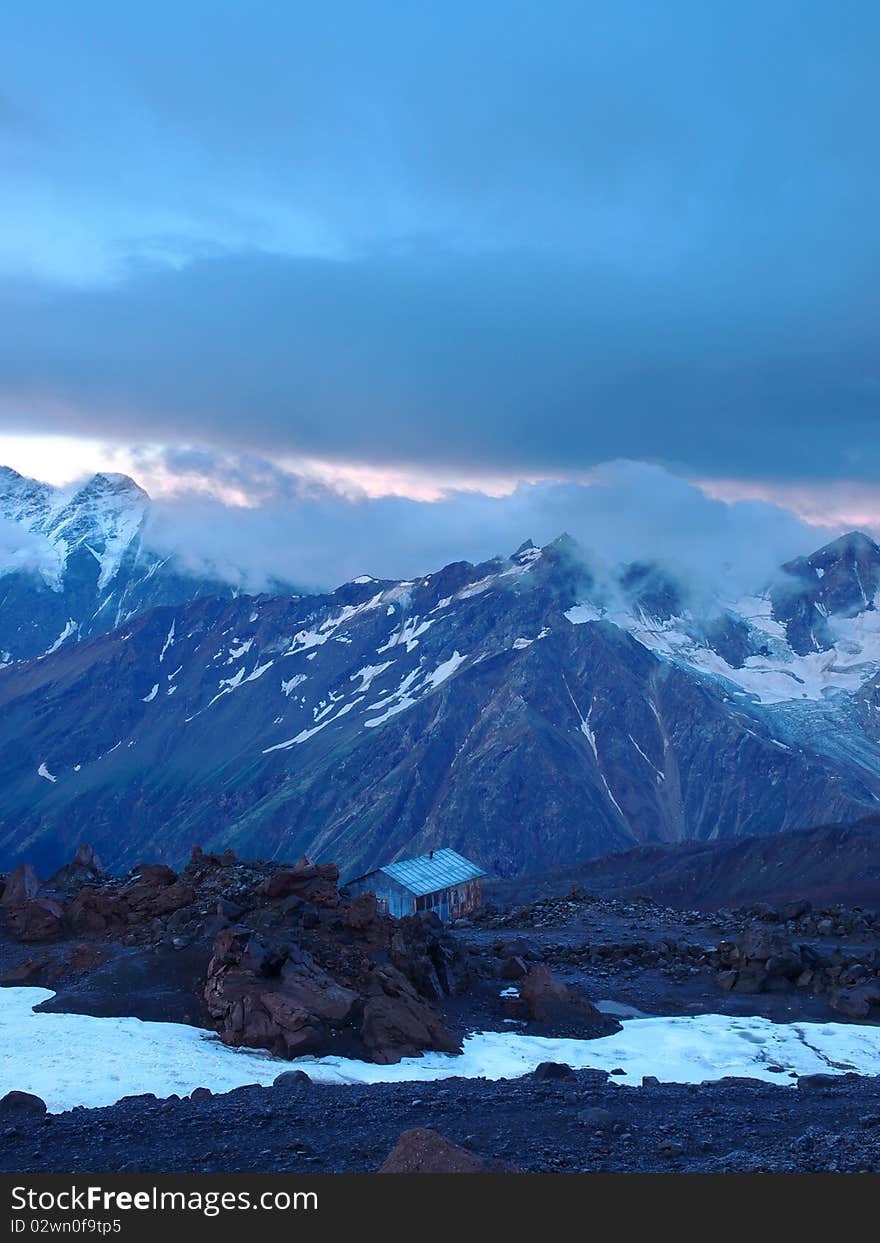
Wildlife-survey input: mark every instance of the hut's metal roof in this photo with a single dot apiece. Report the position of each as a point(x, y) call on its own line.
point(427, 873)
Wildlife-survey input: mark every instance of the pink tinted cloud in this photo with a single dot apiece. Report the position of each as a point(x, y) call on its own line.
point(848, 504)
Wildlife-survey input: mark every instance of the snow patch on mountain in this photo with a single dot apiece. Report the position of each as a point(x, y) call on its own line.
point(70, 628)
point(773, 675)
point(305, 734)
point(368, 675)
point(445, 670)
point(104, 516)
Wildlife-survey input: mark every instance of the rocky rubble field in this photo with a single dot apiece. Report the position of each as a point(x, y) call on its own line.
point(830, 953)
point(579, 1123)
point(276, 957)
point(271, 956)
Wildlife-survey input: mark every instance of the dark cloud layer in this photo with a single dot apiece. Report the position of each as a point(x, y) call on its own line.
point(504, 362)
point(497, 237)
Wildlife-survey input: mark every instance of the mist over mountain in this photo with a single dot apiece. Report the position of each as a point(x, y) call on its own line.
point(308, 532)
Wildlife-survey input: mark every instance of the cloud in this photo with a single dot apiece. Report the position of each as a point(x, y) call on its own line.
point(515, 362)
point(25, 552)
point(311, 535)
point(471, 237)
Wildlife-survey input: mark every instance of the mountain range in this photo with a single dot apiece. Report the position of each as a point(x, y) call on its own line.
point(526, 711)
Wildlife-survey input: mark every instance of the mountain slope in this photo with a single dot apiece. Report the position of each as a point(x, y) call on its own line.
point(519, 710)
point(826, 864)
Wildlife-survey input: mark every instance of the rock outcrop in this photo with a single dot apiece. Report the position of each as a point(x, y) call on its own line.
point(280, 958)
point(765, 959)
point(424, 1151)
point(543, 1001)
point(332, 974)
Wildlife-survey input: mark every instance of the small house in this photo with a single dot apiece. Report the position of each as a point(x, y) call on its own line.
point(442, 881)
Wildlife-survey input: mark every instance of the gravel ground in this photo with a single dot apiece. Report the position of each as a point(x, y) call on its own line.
point(538, 1126)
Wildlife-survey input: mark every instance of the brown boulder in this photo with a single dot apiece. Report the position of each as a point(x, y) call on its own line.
point(171, 898)
point(762, 944)
point(423, 1151)
point(22, 1106)
point(154, 874)
point(856, 1003)
point(154, 892)
point(539, 989)
point(84, 868)
point(272, 999)
point(315, 884)
point(21, 885)
point(751, 978)
point(39, 919)
point(552, 1070)
point(545, 1000)
point(312, 988)
point(398, 1023)
point(362, 912)
point(94, 910)
point(30, 969)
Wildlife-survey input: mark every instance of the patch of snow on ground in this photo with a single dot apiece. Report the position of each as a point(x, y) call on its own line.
point(43, 771)
point(476, 589)
point(408, 693)
point(128, 1057)
point(305, 639)
point(587, 731)
point(152, 694)
point(661, 776)
point(583, 613)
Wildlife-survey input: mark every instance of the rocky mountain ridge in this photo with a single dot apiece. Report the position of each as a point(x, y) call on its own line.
point(525, 711)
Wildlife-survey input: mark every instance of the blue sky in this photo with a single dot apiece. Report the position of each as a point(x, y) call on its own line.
point(473, 243)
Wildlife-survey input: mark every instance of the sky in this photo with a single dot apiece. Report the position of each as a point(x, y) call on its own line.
point(419, 250)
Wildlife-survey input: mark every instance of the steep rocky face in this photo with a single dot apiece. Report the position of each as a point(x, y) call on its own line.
point(522, 711)
point(73, 563)
point(840, 580)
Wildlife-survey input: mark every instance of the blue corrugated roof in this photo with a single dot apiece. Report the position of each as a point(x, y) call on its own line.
point(428, 873)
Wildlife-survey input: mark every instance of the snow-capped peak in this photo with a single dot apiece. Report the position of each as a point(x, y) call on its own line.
point(103, 515)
